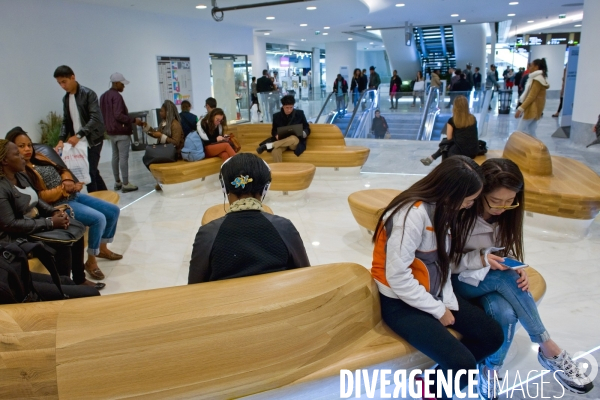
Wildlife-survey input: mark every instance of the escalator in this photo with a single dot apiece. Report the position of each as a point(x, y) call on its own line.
point(435, 45)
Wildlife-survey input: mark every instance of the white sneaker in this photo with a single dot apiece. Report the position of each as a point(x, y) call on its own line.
point(488, 387)
point(130, 187)
point(568, 373)
point(118, 185)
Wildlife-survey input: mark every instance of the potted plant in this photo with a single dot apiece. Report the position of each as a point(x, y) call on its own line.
point(50, 128)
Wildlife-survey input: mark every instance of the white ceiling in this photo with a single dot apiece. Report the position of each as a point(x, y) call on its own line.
point(345, 16)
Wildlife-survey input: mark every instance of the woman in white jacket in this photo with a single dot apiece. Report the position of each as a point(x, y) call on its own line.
point(411, 266)
point(503, 292)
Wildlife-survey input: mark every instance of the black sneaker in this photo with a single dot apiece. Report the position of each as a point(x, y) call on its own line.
point(261, 148)
point(567, 372)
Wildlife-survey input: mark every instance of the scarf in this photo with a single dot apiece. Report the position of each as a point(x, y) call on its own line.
point(535, 75)
point(248, 203)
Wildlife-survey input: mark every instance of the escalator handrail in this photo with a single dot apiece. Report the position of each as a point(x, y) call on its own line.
point(362, 95)
point(422, 135)
point(323, 108)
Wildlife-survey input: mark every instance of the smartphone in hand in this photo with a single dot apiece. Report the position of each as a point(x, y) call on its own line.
point(513, 264)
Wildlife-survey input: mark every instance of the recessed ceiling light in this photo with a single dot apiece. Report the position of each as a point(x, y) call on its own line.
point(311, 8)
point(371, 43)
point(325, 34)
point(368, 27)
point(454, 15)
point(577, 26)
point(382, 46)
point(304, 40)
point(270, 17)
point(350, 38)
point(267, 33)
point(530, 22)
point(400, 5)
point(513, 3)
point(463, 20)
point(303, 24)
point(325, 27)
point(201, 6)
point(511, 15)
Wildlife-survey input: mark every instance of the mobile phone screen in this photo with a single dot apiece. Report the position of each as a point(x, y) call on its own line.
point(512, 263)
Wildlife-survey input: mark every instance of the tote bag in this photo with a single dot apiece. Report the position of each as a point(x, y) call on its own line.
point(76, 160)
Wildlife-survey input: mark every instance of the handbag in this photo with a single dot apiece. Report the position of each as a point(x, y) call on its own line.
point(76, 160)
point(68, 236)
point(235, 144)
point(419, 86)
point(159, 154)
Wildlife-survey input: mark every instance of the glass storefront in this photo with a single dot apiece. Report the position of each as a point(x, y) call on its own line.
point(229, 78)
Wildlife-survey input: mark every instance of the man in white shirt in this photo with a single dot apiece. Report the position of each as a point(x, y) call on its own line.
point(81, 119)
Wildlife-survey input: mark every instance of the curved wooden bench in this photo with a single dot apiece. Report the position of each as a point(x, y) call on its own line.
point(107, 195)
point(368, 205)
point(185, 171)
point(215, 340)
point(219, 210)
point(554, 185)
point(325, 147)
point(289, 177)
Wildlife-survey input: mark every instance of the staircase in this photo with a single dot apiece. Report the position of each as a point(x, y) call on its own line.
point(435, 45)
point(403, 125)
point(439, 124)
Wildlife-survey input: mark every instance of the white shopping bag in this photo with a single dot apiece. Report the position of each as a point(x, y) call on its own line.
point(76, 159)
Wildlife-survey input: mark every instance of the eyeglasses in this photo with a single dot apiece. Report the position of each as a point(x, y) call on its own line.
point(500, 207)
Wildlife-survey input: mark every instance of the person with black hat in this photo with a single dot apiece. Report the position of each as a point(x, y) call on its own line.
point(374, 79)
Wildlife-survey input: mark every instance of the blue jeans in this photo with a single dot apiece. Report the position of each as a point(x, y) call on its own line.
point(100, 216)
point(503, 284)
point(528, 126)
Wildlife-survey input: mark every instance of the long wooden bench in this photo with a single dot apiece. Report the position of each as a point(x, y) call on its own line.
point(554, 185)
point(216, 340)
point(325, 147)
point(368, 205)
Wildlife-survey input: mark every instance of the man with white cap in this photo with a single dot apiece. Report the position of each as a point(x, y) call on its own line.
point(118, 126)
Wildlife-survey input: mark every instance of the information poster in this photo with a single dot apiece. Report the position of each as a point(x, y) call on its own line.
point(175, 79)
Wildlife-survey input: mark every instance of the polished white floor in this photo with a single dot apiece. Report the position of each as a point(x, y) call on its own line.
point(155, 235)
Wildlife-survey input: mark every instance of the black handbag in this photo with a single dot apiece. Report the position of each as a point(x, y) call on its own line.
point(159, 154)
point(68, 236)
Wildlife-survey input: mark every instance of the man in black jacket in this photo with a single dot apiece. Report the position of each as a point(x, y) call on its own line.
point(286, 117)
point(81, 119)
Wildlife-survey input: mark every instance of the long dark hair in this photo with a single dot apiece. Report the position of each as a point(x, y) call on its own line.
point(446, 186)
point(540, 63)
point(208, 122)
point(503, 173)
point(33, 177)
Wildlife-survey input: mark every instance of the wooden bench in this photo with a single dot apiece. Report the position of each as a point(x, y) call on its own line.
point(219, 210)
point(171, 174)
point(325, 147)
point(215, 340)
point(291, 177)
point(554, 185)
point(107, 195)
point(368, 205)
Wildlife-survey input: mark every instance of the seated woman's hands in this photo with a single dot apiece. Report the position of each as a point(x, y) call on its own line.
point(447, 318)
point(220, 138)
point(494, 262)
point(523, 281)
point(60, 220)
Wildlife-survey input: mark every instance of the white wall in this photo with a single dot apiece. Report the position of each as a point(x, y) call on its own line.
point(259, 55)
point(469, 45)
point(555, 59)
point(339, 54)
point(402, 58)
point(377, 58)
point(39, 35)
point(585, 108)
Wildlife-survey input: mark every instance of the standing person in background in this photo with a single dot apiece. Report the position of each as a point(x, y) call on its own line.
point(418, 92)
point(477, 80)
point(505, 76)
point(188, 120)
point(491, 82)
point(510, 79)
point(357, 85)
point(523, 82)
point(562, 93)
point(118, 127)
point(518, 77)
point(340, 88)
point(379, 126)
point(533, 98)
point(81, 119)
point(253, 91)
point(453, 81)
point(435, 79)
point(395, 86)
point(469, 75)
point(374, 79)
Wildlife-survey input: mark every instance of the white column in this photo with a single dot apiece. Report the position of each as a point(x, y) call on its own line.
point(587, 87)
point(337, 55)
point(259, 55)
point(469, 45)
point(492, 59)
point(402, 58)
point(316, 70)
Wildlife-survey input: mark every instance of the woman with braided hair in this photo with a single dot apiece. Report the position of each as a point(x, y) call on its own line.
point(169, 130)
point(22, 213)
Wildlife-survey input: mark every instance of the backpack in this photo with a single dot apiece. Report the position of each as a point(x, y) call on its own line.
point(16, 285)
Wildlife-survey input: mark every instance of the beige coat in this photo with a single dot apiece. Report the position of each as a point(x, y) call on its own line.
point(533, 106)
point(435, 81)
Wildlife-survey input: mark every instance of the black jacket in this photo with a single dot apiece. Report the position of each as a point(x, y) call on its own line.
point(296, 117)
point(361, 83)
point(344, 86)
point(461, 86)
point(264, 84)
point(92, 124)
point(13, 206)
point(398, 81)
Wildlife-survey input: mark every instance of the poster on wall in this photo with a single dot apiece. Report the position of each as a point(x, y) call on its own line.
point(175, 79)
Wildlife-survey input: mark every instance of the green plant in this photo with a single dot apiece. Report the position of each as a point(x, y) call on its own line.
point(51, 128)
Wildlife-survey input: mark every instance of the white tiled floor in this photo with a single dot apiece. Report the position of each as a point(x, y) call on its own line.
point(155, 234)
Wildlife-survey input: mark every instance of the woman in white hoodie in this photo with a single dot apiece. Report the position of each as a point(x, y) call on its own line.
point(411, 266)
point(503, 292)
point(533, 98)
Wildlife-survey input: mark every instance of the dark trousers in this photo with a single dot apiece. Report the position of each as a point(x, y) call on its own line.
point(560, 106)
point(48, 291)
point(69, 259)
point(97, 182)
point(481, 335)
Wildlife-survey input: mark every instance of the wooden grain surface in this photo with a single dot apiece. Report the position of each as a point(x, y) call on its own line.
point(368, 205)
point(219, 210)
point(185, 171)
point(216, 340)
point(291, 176)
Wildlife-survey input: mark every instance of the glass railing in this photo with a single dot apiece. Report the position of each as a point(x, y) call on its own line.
point(430, 112)
point(362, 115)
point(270, 103)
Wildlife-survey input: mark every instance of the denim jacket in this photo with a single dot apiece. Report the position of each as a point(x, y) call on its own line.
point(193, 149)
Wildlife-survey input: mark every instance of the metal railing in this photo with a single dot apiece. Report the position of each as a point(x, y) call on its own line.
point(430, 112)
point(362, 116)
